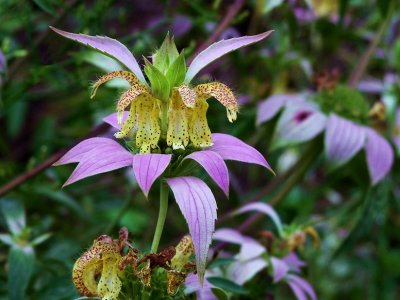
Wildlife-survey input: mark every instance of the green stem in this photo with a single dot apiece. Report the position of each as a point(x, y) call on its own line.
point(161, 216)
point(305, 161)
point(359, 70)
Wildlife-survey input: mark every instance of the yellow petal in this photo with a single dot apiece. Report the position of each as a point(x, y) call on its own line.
point(109, 284)
point(129, 96)
point(222, 93)
point(314, 234)
point(129, 124)
point(199, 132)
point(174, 280)
point(128, 76)
point(177, 133)
point(184, 250)
point(89, 264)
point(83, 276)
point(149, 131)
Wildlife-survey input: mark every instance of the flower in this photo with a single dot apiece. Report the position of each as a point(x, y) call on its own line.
point(169, 108)
point(345, 133)
point(168, 120)
point(102, 259)
point(98, 155)
point(251, 259)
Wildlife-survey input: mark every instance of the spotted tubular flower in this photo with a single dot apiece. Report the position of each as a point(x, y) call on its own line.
point(168, 123)
point(346, 132)
point(97, 271)
point(169, 108)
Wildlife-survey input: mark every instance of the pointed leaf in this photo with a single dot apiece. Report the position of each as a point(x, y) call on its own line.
point(159, 83)
point(227, 285)
point(77, 152)
point(40, 239)
point(14, 215)
point(379, 156)
point(198, 206)
point(219, 49)
point(273, 104)
point(100, 160)
point(6, 239)
point(265, 209)
point(343, 139)
point(20, 268)
point(166, 55)
point(177, 71)
point(231, 148)
point(215, 166)
point(107, 46)
point(148, 167)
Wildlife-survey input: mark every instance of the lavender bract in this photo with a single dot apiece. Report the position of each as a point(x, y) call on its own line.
point(302, 120)
point(253, 258)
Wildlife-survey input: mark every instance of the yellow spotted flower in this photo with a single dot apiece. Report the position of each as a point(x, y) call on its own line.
point(166, 110)
point(103, 257)
point(186, 112)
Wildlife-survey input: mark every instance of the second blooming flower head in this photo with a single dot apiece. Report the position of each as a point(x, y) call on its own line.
point(167, 112)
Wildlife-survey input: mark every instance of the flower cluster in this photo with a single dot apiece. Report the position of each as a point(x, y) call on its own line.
point(277, 256)
point(342, 114)
point(99, 270)
point(166, 127)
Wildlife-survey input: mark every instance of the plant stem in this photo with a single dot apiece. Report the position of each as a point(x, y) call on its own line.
point(162, 213)
point(359, 70)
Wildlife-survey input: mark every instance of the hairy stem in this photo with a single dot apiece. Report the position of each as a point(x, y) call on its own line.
point(162, 213)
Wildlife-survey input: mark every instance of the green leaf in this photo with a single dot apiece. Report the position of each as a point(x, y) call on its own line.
point(20, 263)
point(227, 285)
point(62, 198)
point(220, 294)
point(46, 5)
point(6, 239)
point(270, 5)
point(16, 116)
point(220, 262)
point(166, 55)
point(177, 71)
point(159, 83)
point(14, 214)
point(372, 211)
point(40, 239)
